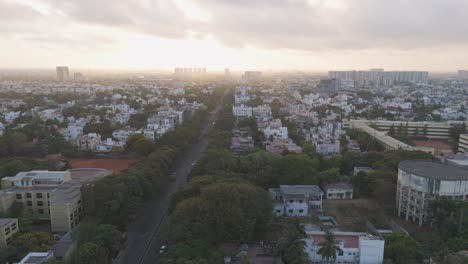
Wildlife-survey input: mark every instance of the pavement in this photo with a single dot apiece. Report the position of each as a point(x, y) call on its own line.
point(143, 234)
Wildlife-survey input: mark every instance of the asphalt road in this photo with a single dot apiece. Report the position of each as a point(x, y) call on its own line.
point(143, 235)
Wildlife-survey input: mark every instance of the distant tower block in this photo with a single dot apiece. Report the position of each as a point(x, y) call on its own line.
point(227, 71)
point(62, 73)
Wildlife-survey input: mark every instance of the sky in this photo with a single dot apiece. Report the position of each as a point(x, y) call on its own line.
point(307, 35)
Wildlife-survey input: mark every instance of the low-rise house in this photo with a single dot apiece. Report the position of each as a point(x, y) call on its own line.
point(89, 141)
point(296, 200)
point(339, 191)
point(366, 170)
point(123, 133)
point(11, 116)
point(356, 247)
point(8, 228)
point(280, 146)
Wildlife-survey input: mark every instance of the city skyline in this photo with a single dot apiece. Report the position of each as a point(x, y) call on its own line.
point(313, 35)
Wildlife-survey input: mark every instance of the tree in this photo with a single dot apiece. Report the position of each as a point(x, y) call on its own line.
point(364, 184)
point(139, 144)
point(292, 245)
point(198, 251)
point(91, 253)
point(33, 242)
point(221, 211)
point(402, 249)
point(329, 247)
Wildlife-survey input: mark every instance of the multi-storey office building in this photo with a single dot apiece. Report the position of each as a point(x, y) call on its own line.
point(51, 195)
point(8, 227)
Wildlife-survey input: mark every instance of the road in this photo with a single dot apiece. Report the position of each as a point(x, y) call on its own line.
point(143, 240)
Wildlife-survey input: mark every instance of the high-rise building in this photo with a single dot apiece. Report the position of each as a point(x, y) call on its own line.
point(380, 77)
point(62, 73)
point(463, 74)
point(78, 76)
point(329, 86)
point(227, 71)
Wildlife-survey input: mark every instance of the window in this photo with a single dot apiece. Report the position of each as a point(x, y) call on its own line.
point(301, 211)
point(19, 196)
point(39, 195)
point(13, 227)
point(40, 211)
point(40, 203)
point(29, 203)
point(300, 201)
point(291, 201)
point(28, 195)
point(278, 211)
point(290, 211)
point(340, 253)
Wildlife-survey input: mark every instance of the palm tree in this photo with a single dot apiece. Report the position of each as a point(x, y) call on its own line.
point(329, 247)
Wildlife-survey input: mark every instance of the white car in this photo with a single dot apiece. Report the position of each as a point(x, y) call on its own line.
point(162, 249)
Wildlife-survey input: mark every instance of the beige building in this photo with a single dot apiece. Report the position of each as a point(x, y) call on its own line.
point(50, 195)
point(53, 196)
point(8, 227)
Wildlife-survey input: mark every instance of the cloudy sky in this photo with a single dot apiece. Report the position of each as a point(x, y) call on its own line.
point(315, 35)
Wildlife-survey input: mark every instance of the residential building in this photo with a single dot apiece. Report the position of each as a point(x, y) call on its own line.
point(279, 146)
point(356, 247)
point(7, 198)
point(89, 142)
point(262, 112)
point(463, 143)
point(73, 131)
point(8, 228)
point(296, 200)
point(420, 182)
point(242, 111)
point(123, 133)
point(366, 170)
point(62, 73)
point(275, 130)
point(329, 86)
point(380, 77)
point(339, 191)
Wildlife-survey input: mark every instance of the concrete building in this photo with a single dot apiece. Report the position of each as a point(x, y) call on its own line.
point(329, 86)
point(89, 142)
point(242, 111)
point(380, 77)
point(296, 200)
point(62, 73)
point(356, 247)
point(463, 143)
point(339, 191)
point(420, 182)
point(432, 130)
point(51, 195)
point(7, 198)
point(8, 228)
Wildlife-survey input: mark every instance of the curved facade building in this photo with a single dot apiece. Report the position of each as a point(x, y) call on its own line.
point(421, 181)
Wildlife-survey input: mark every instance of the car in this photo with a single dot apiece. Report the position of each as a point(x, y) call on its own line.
point(162, 249)
point(193, 163)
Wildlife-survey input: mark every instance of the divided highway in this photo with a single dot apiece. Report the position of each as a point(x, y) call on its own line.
point(143, 241)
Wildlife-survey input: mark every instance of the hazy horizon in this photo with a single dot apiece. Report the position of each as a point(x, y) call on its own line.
point(303, 35)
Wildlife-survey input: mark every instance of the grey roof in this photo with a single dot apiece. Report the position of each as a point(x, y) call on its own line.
point(302, 190)
point(7, 221)
point(434, 169)
point(339, 186)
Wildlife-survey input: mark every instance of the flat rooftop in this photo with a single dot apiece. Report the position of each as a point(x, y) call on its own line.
point(434, 169)
point(7, 221)
point(300, 190)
